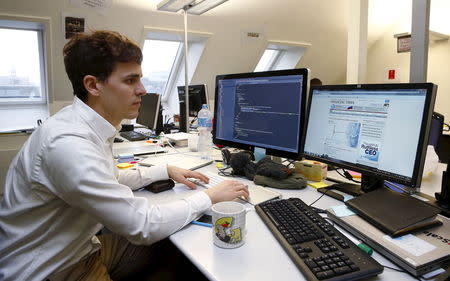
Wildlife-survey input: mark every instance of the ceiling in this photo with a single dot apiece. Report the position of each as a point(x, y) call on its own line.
point(384, 15)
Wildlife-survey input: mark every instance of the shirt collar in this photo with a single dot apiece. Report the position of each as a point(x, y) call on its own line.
point(100, 125)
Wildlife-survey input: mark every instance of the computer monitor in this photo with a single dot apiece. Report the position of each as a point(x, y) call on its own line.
point(198, 95)
point(437, 125)
point(150, 113)
point(379, 130)
point(261, 109)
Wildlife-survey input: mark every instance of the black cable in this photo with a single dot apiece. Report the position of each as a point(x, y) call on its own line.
point(223, 172)
point(319, 197)
point(347, 175)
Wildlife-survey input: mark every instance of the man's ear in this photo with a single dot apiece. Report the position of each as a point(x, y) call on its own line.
point(91, 85)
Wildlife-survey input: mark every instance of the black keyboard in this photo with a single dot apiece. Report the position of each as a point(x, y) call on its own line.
point(133, 135)
point(314, 245)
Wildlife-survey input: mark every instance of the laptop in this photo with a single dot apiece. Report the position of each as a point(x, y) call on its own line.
point(136, 148)
point(185, 161)
point(418, 253)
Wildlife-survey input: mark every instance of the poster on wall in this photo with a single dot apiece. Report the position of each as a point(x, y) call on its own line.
point(404, 44)
point(73, 25)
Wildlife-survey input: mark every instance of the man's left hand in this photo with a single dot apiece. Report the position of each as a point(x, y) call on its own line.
point(181, 175)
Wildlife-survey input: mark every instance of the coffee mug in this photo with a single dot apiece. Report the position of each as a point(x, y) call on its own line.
point(228, 220)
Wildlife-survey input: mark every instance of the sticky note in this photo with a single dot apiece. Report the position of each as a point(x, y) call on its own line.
point(318, 184)
point(342, 211)
point(124, 165)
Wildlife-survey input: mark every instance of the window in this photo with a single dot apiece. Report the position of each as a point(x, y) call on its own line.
point(24, 71)
point(163, 64)
point(22, 75)
point(281, 55)
point(159, 61)
point(267, 60)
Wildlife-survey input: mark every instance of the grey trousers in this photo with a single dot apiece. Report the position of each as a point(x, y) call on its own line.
point(118, 259)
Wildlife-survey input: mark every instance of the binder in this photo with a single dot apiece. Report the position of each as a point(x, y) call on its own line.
point(394, 213)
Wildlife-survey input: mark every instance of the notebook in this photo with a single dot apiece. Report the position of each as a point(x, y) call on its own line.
point(417, 253)
point(393, 212)
point(184, 161)
point(136, 148)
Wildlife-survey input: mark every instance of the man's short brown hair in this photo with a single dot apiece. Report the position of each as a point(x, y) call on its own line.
point(97, 54)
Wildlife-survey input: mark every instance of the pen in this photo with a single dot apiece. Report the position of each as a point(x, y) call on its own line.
point(202, 223)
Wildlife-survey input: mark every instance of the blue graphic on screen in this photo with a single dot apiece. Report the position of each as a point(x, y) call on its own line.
point(353, 133)
point(261, 111)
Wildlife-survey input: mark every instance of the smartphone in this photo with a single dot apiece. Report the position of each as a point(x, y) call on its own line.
point(205, 218)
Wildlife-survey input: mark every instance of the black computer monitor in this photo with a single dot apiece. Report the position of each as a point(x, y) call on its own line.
point(436, 128)
point(261, 109)
point(379, 130)
point(198, 95)
point(150, 112)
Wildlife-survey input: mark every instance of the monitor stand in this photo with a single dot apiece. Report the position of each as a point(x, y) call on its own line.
point(368, 183)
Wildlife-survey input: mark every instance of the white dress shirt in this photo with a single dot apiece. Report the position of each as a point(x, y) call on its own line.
point(63, 187)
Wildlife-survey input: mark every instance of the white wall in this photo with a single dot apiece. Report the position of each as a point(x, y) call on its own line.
point(321, 23)
point(383, 55)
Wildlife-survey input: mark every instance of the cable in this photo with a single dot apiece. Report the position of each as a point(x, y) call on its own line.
point(223, 172)
point(347, 175)
point(319, 197)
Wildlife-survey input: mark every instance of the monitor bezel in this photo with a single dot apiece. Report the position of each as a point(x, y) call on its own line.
point(274, 152)
point(203, 89)
point(157, 110)
point(416, 177)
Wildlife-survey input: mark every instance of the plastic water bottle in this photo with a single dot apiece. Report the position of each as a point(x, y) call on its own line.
point(204, 132)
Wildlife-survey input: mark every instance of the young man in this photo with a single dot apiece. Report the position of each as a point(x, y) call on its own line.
point(63, 186)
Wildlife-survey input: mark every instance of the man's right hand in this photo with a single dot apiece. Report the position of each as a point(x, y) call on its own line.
point(227, 190)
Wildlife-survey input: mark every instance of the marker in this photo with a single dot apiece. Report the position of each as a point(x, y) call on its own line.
point(201, 223)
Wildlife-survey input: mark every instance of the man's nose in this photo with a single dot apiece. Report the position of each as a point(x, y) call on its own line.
point(141, 89)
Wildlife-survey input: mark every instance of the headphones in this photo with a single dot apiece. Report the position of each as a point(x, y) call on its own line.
point(227, 156)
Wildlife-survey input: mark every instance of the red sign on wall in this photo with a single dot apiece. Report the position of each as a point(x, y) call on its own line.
point(391, 74)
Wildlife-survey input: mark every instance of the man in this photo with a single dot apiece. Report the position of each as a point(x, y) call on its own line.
point(63, 186)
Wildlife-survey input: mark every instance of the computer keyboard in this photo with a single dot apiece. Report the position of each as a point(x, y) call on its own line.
point(257, 194)
point(133, 136)
point(313, 244)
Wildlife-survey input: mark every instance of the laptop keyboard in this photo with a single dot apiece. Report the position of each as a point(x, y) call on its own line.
point(314, 245)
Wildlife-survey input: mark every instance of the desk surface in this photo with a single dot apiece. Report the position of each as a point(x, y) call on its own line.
point(261, 257)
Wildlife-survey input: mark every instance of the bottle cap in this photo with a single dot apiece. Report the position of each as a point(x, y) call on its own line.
point(204, 106)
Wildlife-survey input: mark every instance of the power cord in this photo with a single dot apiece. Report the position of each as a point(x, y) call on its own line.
point(310, 205)
point(347, 175)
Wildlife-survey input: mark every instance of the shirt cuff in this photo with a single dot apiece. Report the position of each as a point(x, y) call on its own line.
point(200, 201)
point(157, 173)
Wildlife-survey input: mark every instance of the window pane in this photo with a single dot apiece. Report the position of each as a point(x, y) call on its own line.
point(20, 68)
point(159, 58)
point(266, 60)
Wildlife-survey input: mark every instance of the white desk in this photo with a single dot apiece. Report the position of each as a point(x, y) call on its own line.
point(261, 257)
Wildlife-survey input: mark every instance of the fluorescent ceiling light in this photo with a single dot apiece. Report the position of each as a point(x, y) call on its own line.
point(173, 5)
point(195, 7)
point(201, 7)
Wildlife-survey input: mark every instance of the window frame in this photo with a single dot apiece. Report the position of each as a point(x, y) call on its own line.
point(30, 112)
point(170, 96)
point(284, 48)
point(42, 28)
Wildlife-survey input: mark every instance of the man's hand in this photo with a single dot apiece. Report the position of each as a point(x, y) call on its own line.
point(181, 175)
point(227, 190)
